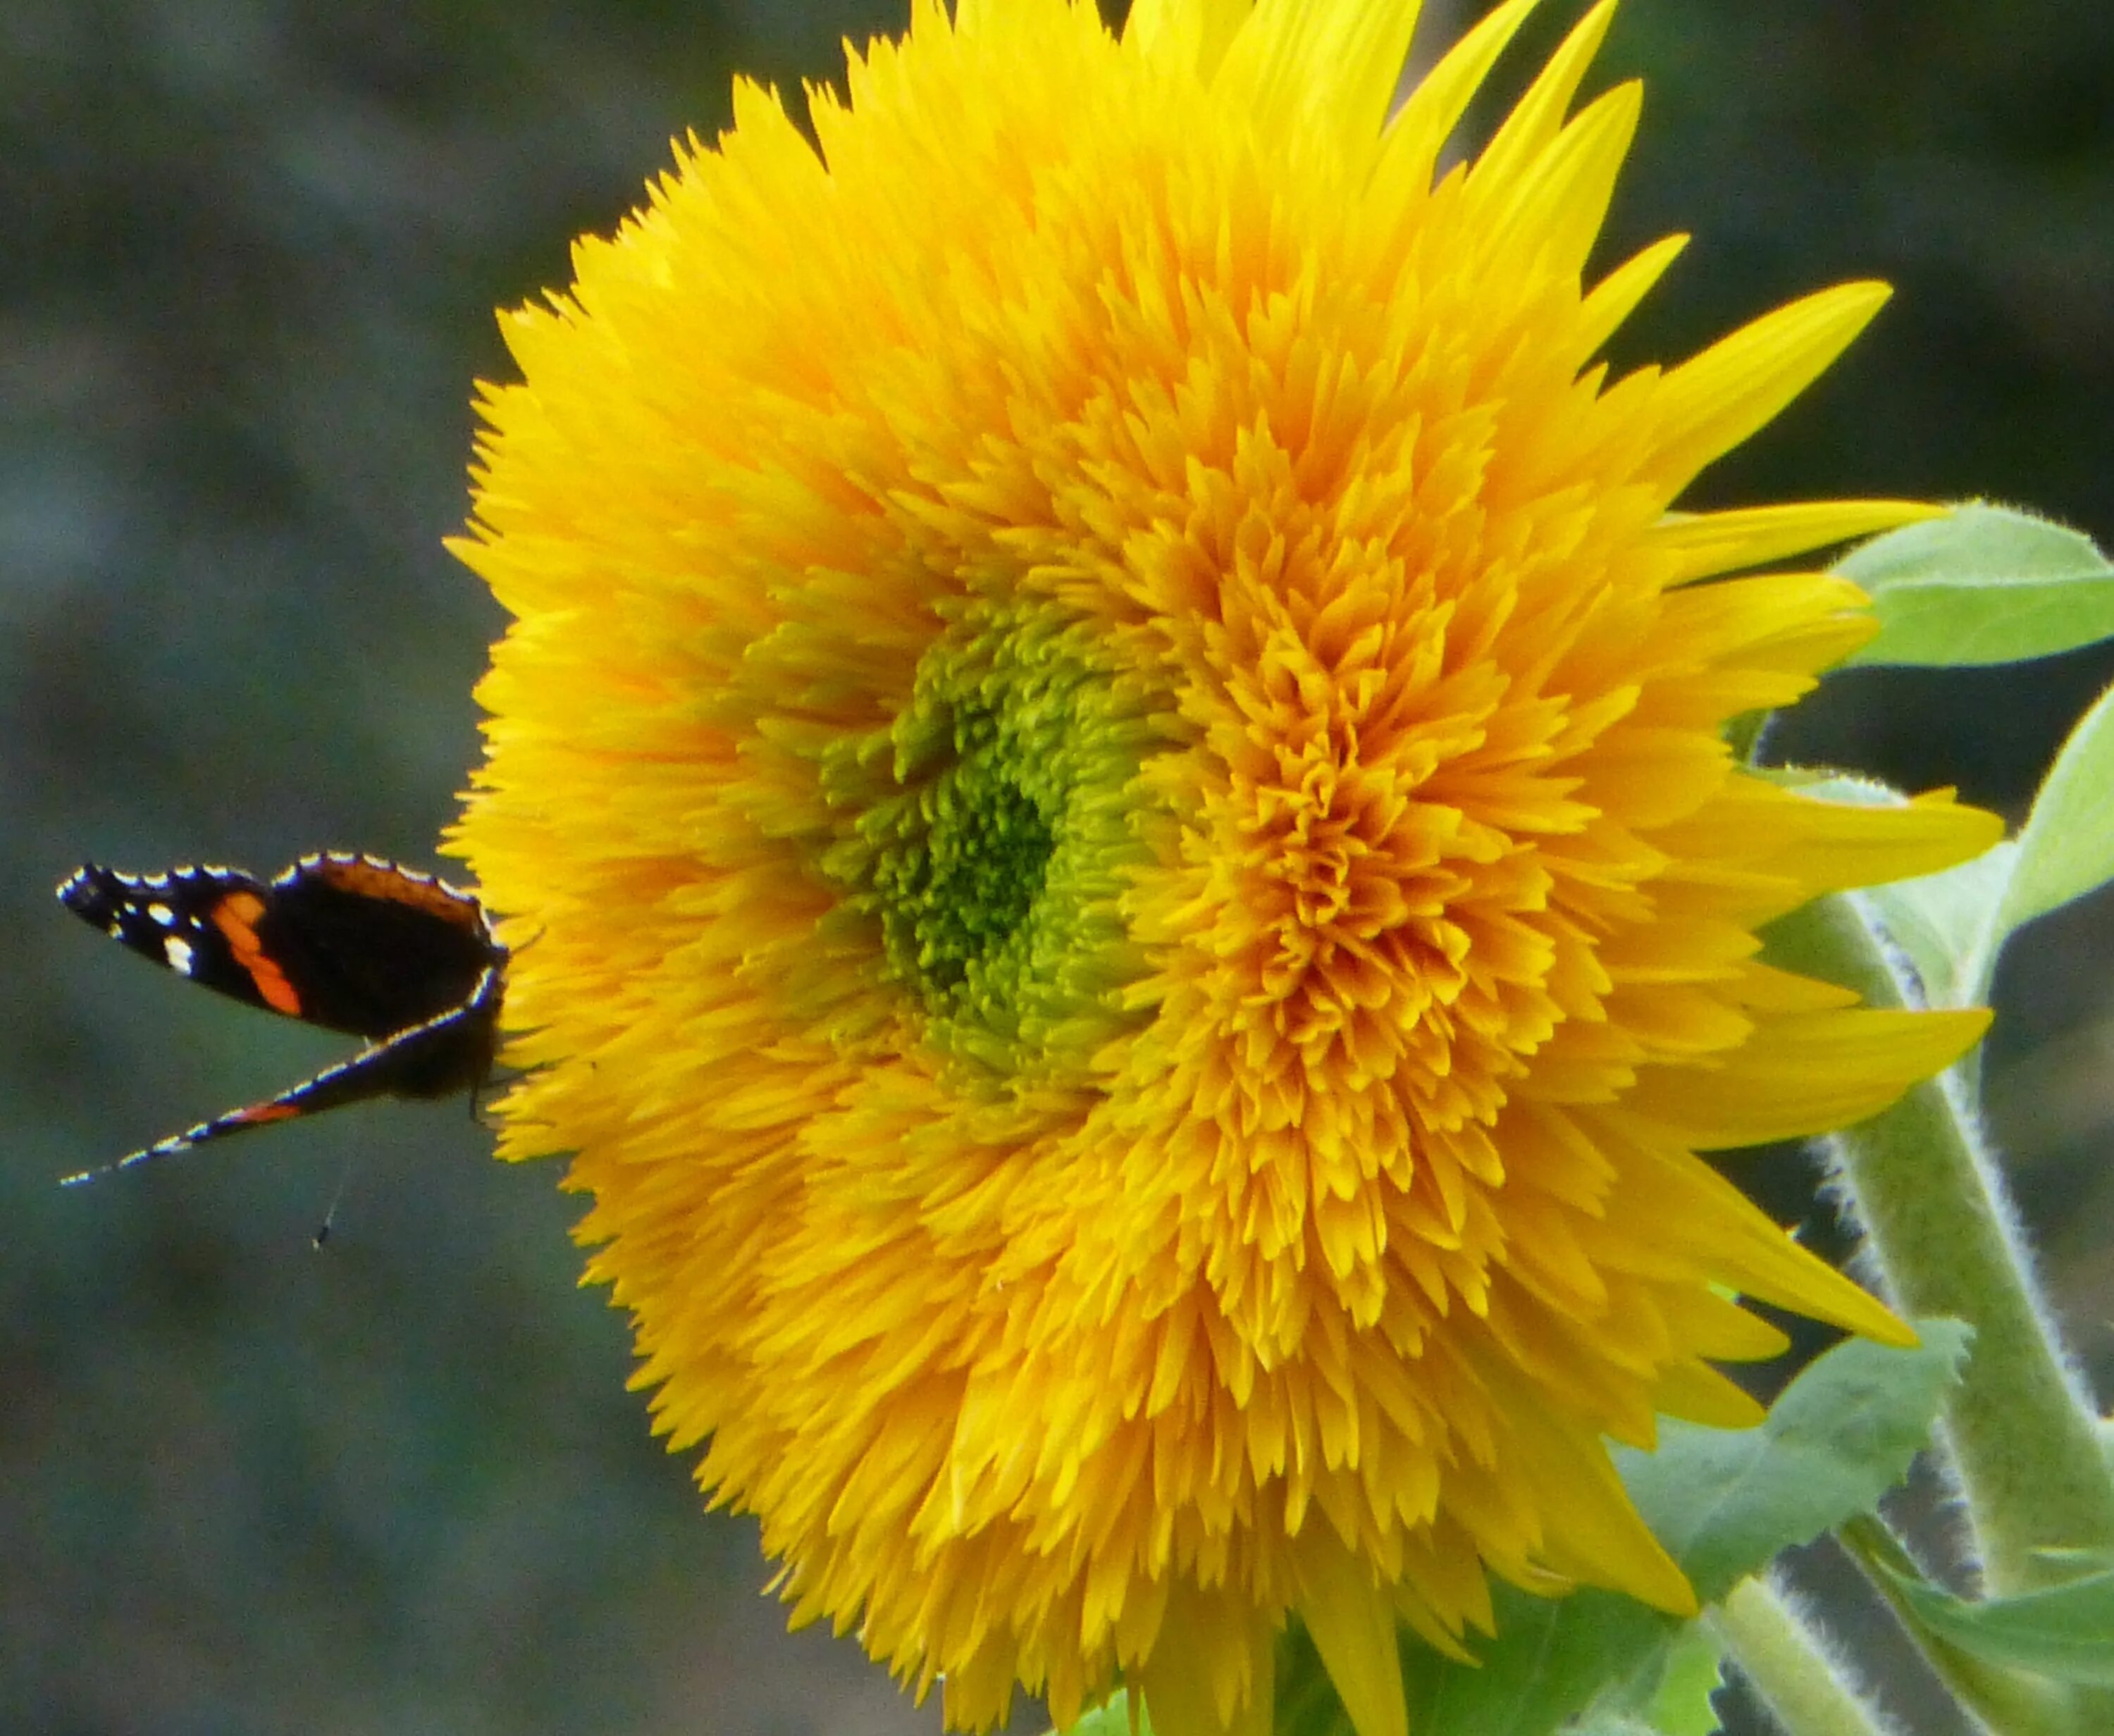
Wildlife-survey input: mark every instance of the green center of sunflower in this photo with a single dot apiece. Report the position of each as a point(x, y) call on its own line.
point(953, 887)
point(989, 832)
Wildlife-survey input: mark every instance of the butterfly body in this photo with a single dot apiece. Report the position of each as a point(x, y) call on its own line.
point(348, 942)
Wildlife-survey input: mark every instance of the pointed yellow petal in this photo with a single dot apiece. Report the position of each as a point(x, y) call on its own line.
point(1615, 297)
point(1189, 34)
point(1302, 67)
point(1352, 1621)
point(1212, 1672)
point(1555, 211)
point(1782, 1272)
point(1804, 1074)
point(1539, 115)
point(1704, 544)
point(1593, 1534)
point(1817, 846)
point(1698, 1393)
point(1712, 402)
point(1418, 133)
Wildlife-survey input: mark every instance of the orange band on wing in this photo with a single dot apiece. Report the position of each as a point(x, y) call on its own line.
point(235, 916)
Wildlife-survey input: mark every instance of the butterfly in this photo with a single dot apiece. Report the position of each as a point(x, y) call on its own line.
point(346, 941)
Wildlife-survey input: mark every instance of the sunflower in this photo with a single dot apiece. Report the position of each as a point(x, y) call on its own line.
point(1117, 764)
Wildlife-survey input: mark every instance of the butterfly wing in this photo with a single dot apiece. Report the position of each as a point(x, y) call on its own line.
point(202, 923)
point(451, 1052)
point(349, 943)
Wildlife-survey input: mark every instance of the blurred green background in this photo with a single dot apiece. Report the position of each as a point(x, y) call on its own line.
point(251, 254)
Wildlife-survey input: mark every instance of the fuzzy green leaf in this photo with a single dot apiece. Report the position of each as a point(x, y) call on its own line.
point(1723, 1502)
point(1946, 923)
point(1112, 1717)
point(2064, 1632)
point(1690, 1673)
point(1840, 1436)
point(1983, 585)
point(1953, 925)
point(2066, 847)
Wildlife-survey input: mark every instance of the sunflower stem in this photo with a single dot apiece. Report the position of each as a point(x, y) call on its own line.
point(1789, 1666)
point(1939, 1225)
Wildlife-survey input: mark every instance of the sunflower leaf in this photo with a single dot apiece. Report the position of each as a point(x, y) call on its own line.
point(1946, 923)
point(1983, 585)
point(2067, 846)
point(1723, 1502)
point(1953, 925)
point(1690, 1673)
point(2064, 1632)
point(1112, 1717)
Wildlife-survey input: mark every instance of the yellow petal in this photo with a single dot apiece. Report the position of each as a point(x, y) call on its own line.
point(1420, 130)
point(1703, 545)
point(1712, 402)
point(1616, 296)
point(1209, 1675)
point(1352, 1621)
point(1306, 68)
point(1804, 1074)
point(1190, 35)
point(1538, 117)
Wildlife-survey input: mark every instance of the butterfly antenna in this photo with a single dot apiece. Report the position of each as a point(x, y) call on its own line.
point(330, 1217)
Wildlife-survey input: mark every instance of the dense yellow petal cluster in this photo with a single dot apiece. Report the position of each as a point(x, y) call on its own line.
point(1115, 765)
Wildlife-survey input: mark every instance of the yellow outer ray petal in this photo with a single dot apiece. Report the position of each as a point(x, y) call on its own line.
point(1352, 1621)
point(1187, 1687)
point(1817, 846)
point(1698, 1393)
point(1318, 68)
point(1704, 544)
point(1558, 202)
point(1191, 35)
point(1538, 117)
point(1594, 1535)
point(1426, 121)
point(1804, 1074)
point(1712, 402)
point(1616, 296)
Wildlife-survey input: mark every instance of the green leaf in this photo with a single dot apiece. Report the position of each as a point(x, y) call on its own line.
point(1946, 923)
point(1983, 585)
point(1691, 1672)
point(2066, 847)
point(1723, 1502)
point(1953, 925)
point(1111, 1718)
point(2064, 1632)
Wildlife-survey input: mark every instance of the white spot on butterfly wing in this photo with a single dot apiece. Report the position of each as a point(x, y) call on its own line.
point(179, 954)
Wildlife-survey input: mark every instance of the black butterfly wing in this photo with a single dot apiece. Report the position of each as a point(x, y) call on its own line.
point(199, 922)
point(449, 1053)
point(347, 941)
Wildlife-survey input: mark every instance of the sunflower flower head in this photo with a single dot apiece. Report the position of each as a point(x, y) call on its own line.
point(1116, 761)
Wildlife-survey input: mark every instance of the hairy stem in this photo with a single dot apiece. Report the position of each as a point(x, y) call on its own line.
point(1939, 1225)
point(1789, 1666)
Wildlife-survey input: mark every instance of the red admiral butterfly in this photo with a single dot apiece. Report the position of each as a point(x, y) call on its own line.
point(347, 941)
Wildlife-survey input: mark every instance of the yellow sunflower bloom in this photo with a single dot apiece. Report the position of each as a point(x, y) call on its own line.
point(1115, 765)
